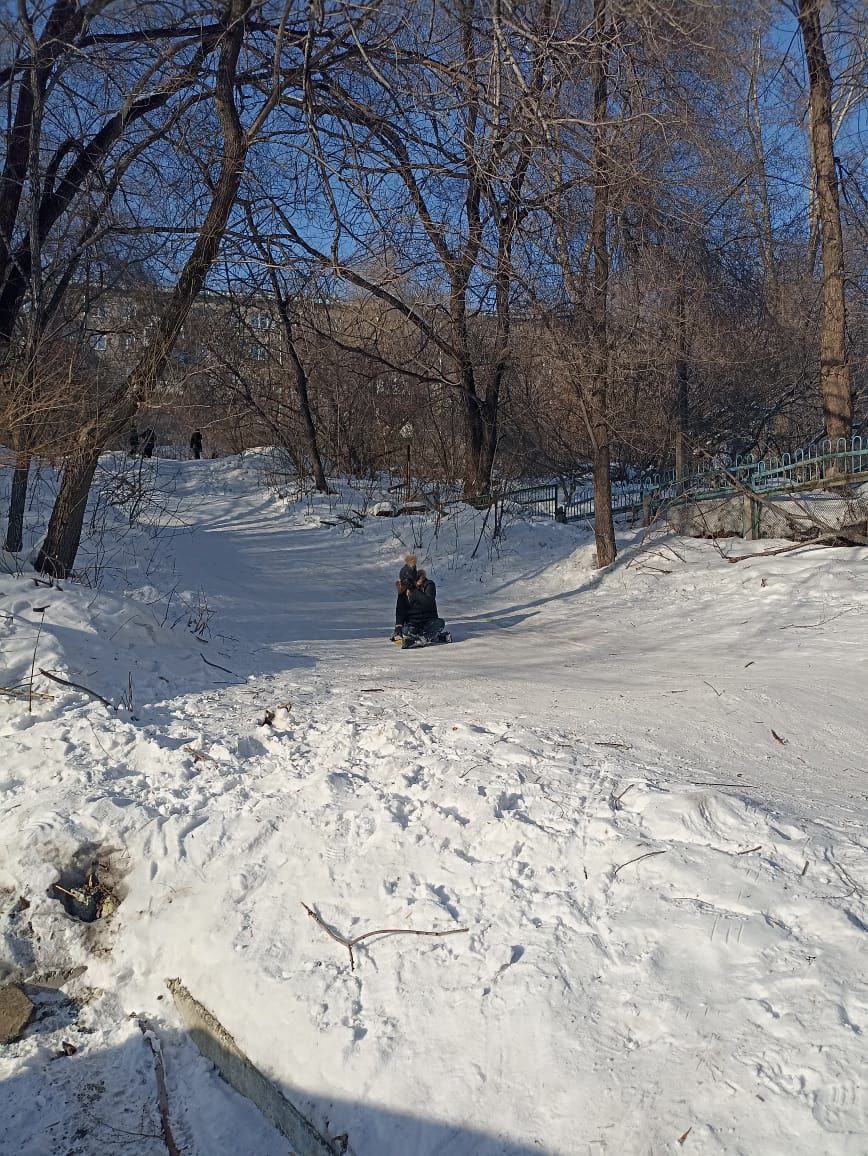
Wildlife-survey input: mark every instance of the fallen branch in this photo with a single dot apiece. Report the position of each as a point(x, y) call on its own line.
point(162, 1093)
point(77, 686)
point(23, 692)
point(818, 543)
point(616, 802)
point(750, 850)
point(647, 855)
point(199, 756)
point(349, 944)
point(822, 622)
point(217, 665)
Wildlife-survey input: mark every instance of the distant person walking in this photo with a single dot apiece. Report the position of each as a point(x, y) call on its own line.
point(196, 444)
point(149, 443)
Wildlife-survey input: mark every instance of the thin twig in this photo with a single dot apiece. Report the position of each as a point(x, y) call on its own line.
point(41, 611)
point(77, 686)
point(481, 532)
point(647, 855)
point(24, 692)
point(618, 798)
point(816, 544)
point(217, 665)
point(750, 850)
point(349, 944)
point(57, 887)
point(822, 622)
point(199, 756)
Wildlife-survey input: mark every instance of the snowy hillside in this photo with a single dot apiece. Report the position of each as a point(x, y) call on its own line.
point(641, 792)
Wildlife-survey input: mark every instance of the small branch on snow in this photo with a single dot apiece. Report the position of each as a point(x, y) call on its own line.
point(647, 855)
point(778, 739)
point(198, 756)
point(822, 622)
point(616, 801)
point(23, 692)
point(162, 1093)
point(620, 746)
point(817, 544)
point(750, 850)
point(349, 944)
point(217, 665)
point(36, 610)
point(77, 686)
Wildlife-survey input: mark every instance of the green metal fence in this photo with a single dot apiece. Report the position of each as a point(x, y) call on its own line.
point(717, 476)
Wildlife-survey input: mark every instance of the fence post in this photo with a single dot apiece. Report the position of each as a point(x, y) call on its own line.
point(751, 512)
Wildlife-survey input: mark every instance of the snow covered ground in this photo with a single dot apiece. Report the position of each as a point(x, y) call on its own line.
point(642, 792)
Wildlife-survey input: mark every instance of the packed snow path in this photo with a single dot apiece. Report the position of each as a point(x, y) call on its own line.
point(709, 997)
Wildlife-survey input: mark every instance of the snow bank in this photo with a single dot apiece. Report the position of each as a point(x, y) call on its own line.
point(641, 792)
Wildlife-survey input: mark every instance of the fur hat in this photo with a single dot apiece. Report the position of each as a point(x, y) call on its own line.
point(410, 559)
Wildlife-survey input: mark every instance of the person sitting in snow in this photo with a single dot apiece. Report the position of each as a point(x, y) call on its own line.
point(407, 576)
point(422, 623)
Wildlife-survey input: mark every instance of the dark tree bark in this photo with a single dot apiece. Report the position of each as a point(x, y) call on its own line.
point(835, 382)
point(604, 527)
point(682, 392)
point(18, 501)
point(58, 552)
point(301, 386)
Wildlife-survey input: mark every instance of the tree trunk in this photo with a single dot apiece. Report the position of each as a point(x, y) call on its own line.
point(476, 484)
point(301, 385)
point(835, 383)
point(682, 395)
point(604, 526)
point(18, 502)
point(67, 518)
point(57, 555)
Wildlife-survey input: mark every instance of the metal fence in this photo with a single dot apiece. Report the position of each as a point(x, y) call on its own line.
point(718, 476)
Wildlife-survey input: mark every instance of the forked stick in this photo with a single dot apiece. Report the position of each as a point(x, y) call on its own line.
point(349, 944)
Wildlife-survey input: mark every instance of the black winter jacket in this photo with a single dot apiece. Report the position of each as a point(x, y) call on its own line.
point(421, 604)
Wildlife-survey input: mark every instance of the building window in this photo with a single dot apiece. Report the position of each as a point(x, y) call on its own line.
point(258, 352)
point(98, 341)
point(260, 322)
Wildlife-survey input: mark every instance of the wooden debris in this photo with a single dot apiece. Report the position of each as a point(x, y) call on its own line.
point(638, 858)
point(76, 686)
point(349, 944)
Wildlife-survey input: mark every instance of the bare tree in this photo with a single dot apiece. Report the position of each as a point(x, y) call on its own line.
point(835, 383)
point(60, 547)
